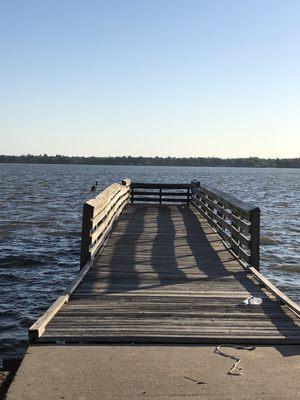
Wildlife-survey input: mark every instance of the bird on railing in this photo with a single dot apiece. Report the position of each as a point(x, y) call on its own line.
point(94, 187)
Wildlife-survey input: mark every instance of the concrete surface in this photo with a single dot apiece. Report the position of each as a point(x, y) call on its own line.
point(155, 372)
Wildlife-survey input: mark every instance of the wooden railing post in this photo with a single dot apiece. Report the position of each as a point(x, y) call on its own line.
point(87, 224)
point(255, 237)
point(126, 182)
point(235, 234)
point(195, 184)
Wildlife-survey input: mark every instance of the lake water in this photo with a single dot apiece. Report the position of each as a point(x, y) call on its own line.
point(40, 217)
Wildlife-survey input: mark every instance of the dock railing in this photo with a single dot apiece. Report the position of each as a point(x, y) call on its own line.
point(160, 192)
point(235, 221)
point(98, 217)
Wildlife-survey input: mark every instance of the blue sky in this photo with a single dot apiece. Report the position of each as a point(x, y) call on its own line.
point(178, 78)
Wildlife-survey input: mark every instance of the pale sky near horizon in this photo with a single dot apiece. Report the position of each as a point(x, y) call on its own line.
point(157, 77)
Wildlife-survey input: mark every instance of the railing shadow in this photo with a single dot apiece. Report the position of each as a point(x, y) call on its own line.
point(163, 256)
point(288, 350)
point(279, 319)
point(127, 270)
point(155, 252)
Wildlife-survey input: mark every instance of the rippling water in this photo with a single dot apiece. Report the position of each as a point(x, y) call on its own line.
point(40, 217)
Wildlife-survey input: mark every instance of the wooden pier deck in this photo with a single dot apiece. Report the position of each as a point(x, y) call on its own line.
point(162, 273)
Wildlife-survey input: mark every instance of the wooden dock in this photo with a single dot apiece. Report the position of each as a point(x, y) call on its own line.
point(169, 263)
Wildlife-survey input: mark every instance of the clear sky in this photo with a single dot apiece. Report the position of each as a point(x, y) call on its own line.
point(150, 77)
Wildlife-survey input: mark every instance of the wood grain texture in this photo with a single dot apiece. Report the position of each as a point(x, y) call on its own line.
point(164, 276)
point(98, 217)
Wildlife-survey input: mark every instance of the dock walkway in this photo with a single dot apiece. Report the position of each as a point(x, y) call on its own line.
point(165, 276)
point(165, 270)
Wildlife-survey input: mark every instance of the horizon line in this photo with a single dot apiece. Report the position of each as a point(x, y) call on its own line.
point(152, 156)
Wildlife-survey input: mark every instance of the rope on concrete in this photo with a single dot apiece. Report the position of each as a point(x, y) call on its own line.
point(237, 359)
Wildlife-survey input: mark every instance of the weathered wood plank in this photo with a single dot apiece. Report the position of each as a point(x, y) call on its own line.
point(99, 214)
point(160, 185)
point(38, 328)
point(165, 276)
point(273, 289)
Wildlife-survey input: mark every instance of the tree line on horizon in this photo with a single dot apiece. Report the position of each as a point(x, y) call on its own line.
point(154, 161)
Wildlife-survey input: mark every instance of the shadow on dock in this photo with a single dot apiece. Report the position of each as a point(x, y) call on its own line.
point(280, 320)
point(171, 241)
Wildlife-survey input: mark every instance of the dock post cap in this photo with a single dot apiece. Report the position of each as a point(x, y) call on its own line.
point(195, 183)
point(126, 182)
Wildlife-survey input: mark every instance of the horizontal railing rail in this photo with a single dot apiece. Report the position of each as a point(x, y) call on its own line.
point(98, 217)
point(235, 221)
point(141, 192)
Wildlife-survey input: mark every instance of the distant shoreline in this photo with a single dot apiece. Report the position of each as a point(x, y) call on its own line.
point(250, 162)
